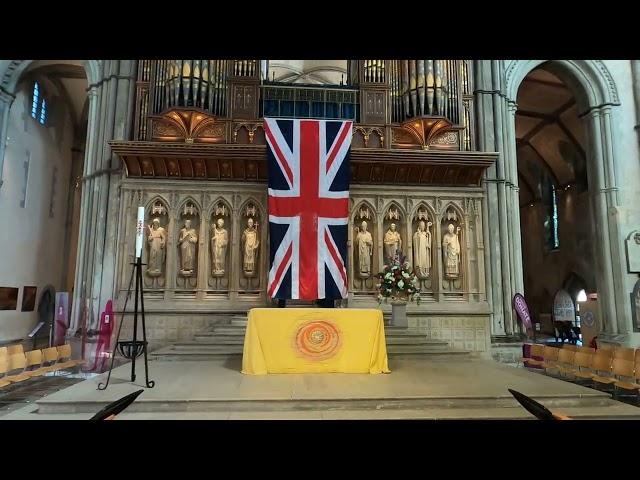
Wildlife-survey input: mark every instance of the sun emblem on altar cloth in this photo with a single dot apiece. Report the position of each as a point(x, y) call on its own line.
point(317, 340)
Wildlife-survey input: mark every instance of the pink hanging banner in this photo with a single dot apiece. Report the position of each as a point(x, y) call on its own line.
point(520, 306)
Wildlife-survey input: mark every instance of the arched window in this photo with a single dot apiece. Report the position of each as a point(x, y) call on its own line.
point(38, 104)
point(552, 239)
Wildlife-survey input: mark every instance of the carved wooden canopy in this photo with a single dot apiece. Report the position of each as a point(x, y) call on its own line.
point(248, 163)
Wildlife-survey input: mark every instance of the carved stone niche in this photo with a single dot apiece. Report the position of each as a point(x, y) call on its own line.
point(187, 238)
point(394, 237)
point(423, 245)
point(220, 232)
point(365, 257)
point(156, 236)
point(452, 248)
point(250, 247)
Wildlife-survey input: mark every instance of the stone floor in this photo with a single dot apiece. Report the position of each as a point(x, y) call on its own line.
point(433, 388)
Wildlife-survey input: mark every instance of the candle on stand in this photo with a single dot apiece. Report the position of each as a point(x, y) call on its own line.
point(139, 232)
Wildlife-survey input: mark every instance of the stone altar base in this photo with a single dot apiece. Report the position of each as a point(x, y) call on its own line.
point(447, 387)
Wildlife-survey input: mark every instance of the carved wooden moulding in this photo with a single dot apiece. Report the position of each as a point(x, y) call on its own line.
point(426, 133)
point(248, 163)
point(188, 125)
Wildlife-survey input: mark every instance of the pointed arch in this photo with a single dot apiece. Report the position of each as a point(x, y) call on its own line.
point(260, 213)
point(219, 199)
point(401, 210)
point(364, 203)
point(421, 203)
point(591, 80)
point(187, 199)
point(457, 209)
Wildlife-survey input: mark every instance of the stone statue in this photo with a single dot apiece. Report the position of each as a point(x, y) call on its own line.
point(219, 242)
point(392, 243)
point(451, 252)
point(187, 241)
point(250, 243)
point(364, 246)
point(422, 250)
point(157, 241)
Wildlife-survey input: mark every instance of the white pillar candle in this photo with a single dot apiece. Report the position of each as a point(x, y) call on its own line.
point(139, 232)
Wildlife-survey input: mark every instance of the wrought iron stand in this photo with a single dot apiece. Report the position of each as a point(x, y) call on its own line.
point(133, 349)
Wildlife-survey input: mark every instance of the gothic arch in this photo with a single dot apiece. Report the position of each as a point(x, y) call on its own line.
point(187, 199)
point(216, 202)
point(591, 77)
point(422, 204)
point(14, 69)
point(157, 198)
point(458, 211)
point(364, 203)
point(394, 203)
point(259, 213)
point(596, 94)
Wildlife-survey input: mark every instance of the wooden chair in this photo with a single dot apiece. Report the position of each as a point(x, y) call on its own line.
point(13, 349)
point(581, 360)
point(624, 353)
point(550, 357)
point(589, 350)
point(4, 368)
point(34, 359)
point(625, 369)
point(4, 352)
point(536, 350)
point(64, 356)
point(606, 346)
point(602, 364)
point(568, 346)
point(565, 360)
point(50, 360)
point(17, 363)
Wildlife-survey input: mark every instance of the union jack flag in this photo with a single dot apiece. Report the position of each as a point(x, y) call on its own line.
point(308, 165)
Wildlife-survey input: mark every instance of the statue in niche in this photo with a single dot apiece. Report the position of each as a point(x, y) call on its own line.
point(250, 244)
point(364, 246)
point(451, 252)
point(187, 241)
point(157, 240)
point(219, 242)
point(422, 250)
point(392, 243)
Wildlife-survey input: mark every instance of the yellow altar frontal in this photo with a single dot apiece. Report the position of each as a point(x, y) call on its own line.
point(314, 340)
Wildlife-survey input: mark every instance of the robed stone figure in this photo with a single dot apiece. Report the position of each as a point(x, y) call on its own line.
point(250, 244)
point(219, 242)
point(422, 251)
point(392, 243)
point(157, 240)
point(187, 241)
point(451, 252)
point(364, 247)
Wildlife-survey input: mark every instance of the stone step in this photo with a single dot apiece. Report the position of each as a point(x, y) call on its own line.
point(220, 340)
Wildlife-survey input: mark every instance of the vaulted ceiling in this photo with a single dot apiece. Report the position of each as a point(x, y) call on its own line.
point(549, 135)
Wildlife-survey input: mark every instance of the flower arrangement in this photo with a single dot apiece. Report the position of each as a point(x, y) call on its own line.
point(398, 282)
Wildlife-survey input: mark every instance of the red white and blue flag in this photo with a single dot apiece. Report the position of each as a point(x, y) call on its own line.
point(308, 165)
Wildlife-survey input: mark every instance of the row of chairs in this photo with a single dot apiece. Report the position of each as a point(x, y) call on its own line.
point(609, 366)
point(17, 366)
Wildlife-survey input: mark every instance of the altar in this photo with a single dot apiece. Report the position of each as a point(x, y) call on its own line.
point(314, 340)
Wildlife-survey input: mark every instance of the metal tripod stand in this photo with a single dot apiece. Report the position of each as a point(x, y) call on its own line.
point(133, 349)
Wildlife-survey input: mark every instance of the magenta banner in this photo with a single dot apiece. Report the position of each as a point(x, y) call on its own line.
point(520, 306)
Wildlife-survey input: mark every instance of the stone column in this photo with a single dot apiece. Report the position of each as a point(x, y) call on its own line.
point(110, 101)
point(500, 222)
point(6, 99)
